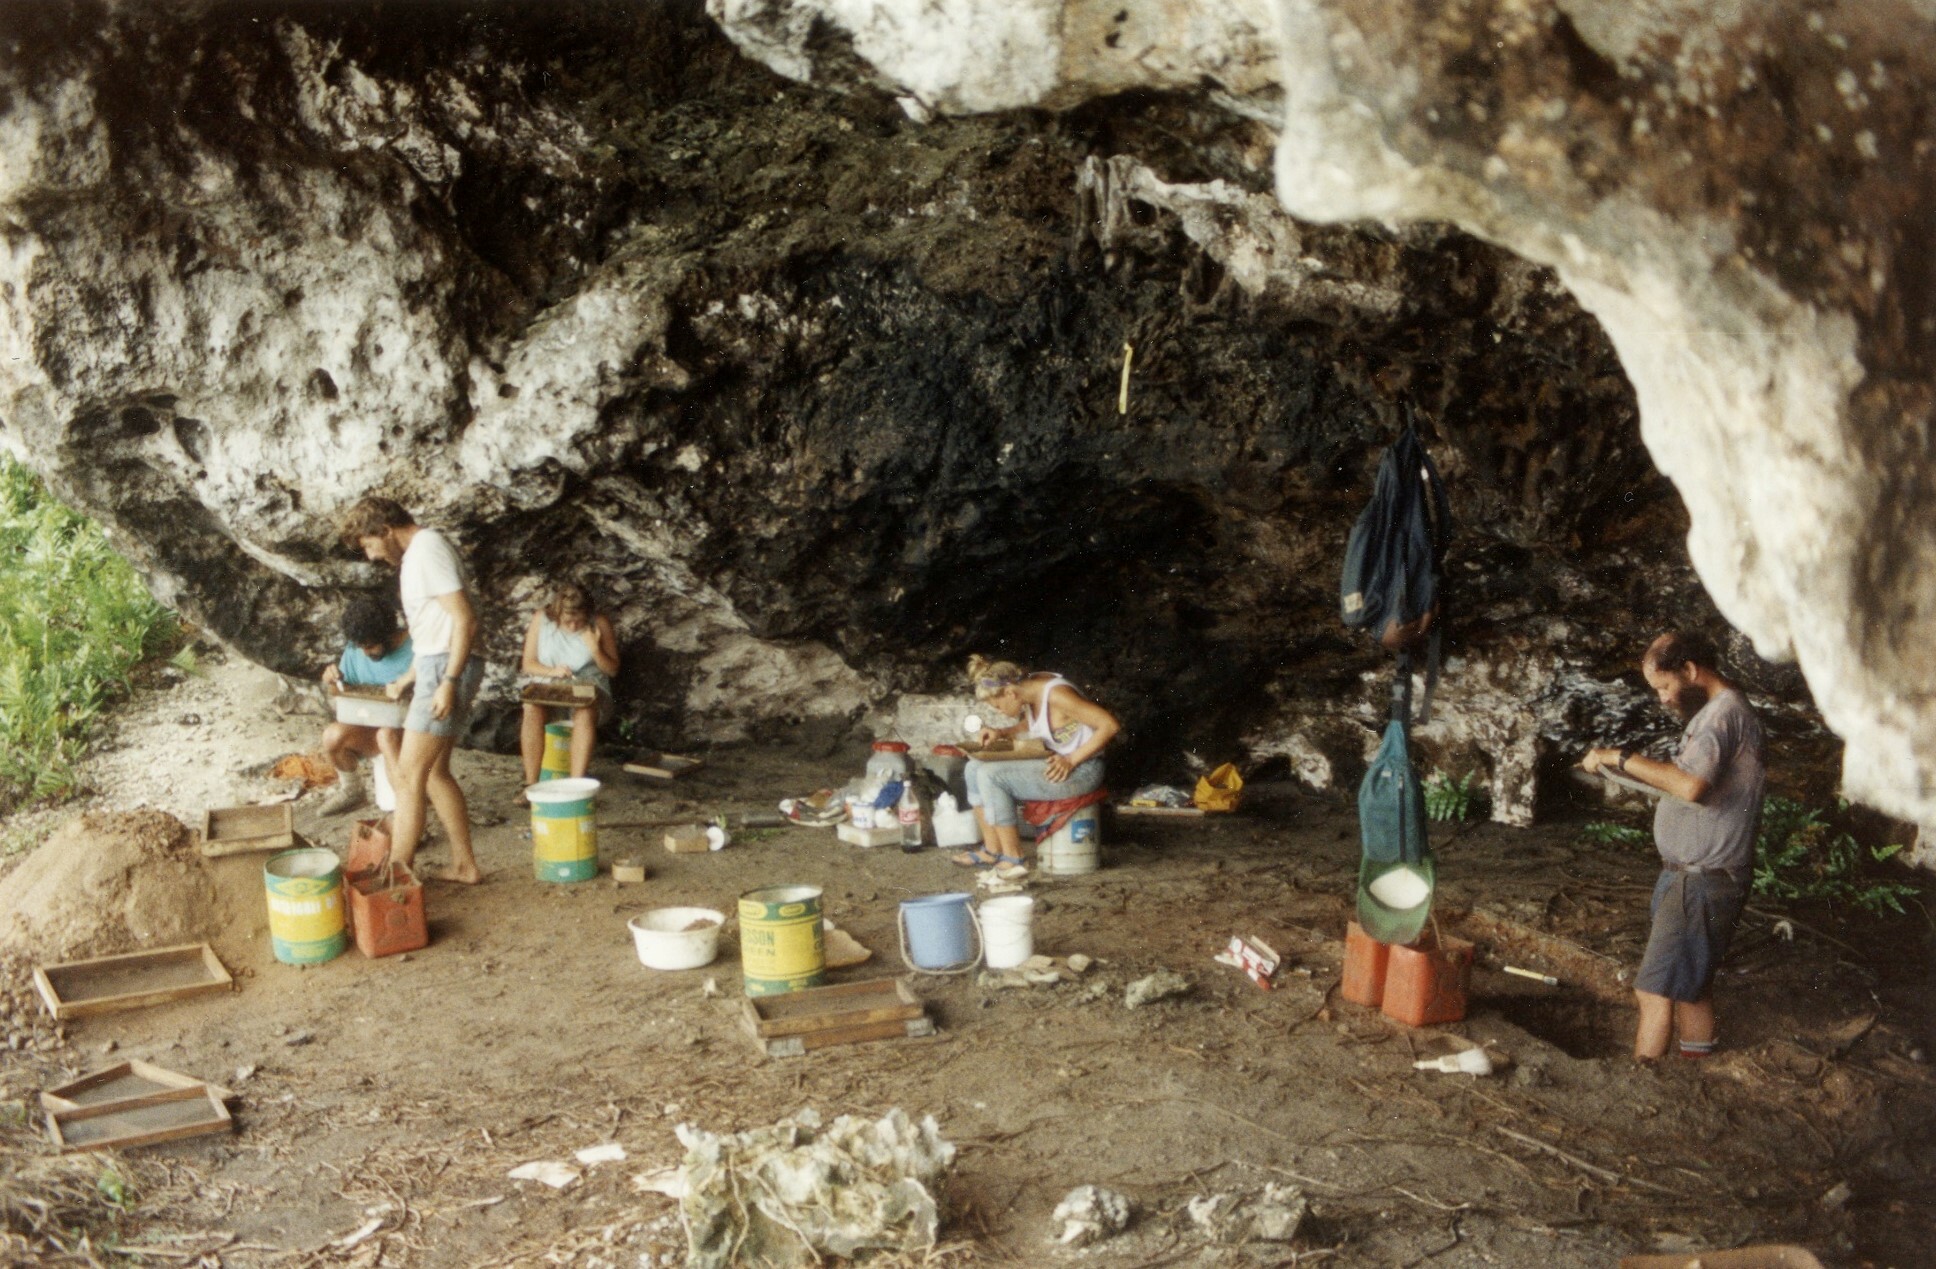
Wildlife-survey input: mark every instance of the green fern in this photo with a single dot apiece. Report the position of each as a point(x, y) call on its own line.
point(1452, 800)
point(1801, 856)
point(1611, 833)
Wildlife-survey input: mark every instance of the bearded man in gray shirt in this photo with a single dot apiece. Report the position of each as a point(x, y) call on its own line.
point(1704, 827)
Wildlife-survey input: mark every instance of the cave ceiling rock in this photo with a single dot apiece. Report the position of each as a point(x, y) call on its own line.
point(603, 343)
point(732, 676)
point(217, 366)
point(975, 56)
point(1747, 379)
point(1735, 239)
point(1248, 234)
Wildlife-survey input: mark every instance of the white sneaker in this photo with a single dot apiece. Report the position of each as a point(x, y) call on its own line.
point(350, 793)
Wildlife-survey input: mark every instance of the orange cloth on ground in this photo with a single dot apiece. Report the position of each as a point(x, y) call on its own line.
point(313, 769)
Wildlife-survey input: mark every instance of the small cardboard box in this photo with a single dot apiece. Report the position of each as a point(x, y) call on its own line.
point(1258, 961)
point(855, 835)
point(690, 840)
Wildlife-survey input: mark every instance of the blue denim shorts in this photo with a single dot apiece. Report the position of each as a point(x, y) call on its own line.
point(1694, 916)
point(430, 673)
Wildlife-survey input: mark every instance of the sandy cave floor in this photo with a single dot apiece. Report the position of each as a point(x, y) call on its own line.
point(404, 1090)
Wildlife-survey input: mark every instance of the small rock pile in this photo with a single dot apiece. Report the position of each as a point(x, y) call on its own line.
point(25, 1024)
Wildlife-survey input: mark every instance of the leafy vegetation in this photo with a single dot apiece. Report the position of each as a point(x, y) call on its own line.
point(74, 622)
point(1449, 799)
point(1613, 833)
point(1803, 854)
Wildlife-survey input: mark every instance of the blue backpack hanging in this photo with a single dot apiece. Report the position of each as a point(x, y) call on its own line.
point(1390, 583)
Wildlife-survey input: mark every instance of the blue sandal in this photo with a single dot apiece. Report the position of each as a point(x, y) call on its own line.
point(980, 857)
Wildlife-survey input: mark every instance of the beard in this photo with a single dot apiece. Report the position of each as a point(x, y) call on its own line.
point(1688, 701)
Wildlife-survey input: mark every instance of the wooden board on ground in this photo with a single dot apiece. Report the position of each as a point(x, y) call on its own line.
point(1185, 812)
point(664, 766)
point(806, 1042)
point(1006, 750)
point(237, 830)
point(167, 1115)
point(120, 1082)
point(104, 984)
point(840, 1007)
point(559, 695)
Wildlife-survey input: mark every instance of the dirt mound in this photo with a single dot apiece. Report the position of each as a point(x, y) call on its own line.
point(114, 882)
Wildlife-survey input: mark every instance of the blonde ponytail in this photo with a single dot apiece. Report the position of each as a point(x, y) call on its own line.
point(991, 678)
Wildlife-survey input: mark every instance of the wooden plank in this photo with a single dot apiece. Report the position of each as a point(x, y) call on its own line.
point(104, 984)
point(234, 830)
point(1006, 751)
point(665, 766)
point(798, 1045)
point(120, 1082)
point(1179, 812)
point(559, 695)
point(831, 1008)
point(168, 1115)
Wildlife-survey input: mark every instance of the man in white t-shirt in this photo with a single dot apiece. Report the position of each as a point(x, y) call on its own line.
point(443, 625)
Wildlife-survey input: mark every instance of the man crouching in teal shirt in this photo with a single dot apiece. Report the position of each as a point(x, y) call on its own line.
point(379, 652)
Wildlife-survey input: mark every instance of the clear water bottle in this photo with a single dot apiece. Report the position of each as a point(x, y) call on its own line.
point(910, 816)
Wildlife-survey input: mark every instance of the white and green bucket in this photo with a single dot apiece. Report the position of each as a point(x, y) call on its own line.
point(306, 924)
point(564, 829)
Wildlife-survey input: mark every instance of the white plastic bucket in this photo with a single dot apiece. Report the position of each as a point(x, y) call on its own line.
point(1008, 930)
point(664, 941)
point(1073, 849)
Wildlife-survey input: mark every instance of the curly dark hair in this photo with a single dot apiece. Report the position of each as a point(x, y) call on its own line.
point(370, 619)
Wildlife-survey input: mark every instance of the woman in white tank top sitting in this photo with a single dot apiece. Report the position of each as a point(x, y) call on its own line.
point(1073, 728)
point(568, 639)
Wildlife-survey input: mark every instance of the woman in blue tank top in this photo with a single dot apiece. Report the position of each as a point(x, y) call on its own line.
point(568, 639)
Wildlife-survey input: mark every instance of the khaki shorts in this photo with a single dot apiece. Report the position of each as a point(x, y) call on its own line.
point(430, 674)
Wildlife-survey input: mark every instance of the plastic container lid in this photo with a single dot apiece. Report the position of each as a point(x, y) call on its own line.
point(890, 746)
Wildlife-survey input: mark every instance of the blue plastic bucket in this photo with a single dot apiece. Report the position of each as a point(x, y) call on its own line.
point(939, 934)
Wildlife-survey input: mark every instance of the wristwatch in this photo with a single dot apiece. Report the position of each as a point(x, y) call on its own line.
point(1625, 753)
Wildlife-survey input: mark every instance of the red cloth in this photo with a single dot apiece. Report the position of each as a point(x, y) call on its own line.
point(1049, 817)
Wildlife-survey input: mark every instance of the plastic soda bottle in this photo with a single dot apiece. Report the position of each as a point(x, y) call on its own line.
point(910, 815)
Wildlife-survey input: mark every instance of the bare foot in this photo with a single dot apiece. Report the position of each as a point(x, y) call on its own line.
point(463, 876)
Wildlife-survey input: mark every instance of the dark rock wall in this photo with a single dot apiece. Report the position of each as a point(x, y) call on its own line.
point(877, 410)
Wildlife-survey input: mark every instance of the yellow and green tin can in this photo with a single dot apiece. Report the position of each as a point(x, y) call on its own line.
point(557, 752)
point(305, 906)
point(782, 947)
point(564, 829)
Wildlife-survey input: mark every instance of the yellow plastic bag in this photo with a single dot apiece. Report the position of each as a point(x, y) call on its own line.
point(1221, 790)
